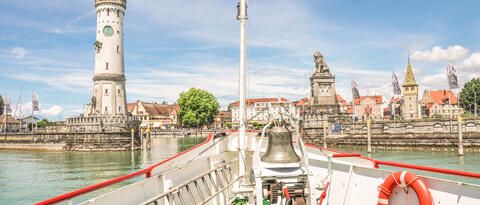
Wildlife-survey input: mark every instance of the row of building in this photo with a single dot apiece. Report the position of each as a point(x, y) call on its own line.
point(8, 123)
point(434, 104)
point(325, 100)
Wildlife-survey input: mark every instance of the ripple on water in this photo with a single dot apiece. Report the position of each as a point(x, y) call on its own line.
point(29, 176)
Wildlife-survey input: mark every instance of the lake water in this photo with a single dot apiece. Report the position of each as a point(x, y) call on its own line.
point(27, 177)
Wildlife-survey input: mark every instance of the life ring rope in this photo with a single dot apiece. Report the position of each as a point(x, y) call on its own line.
point(404, 180)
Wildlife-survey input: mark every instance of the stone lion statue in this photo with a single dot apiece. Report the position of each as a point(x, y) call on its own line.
point(320, 64)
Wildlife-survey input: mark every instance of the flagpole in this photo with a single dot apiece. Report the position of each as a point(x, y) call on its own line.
point(21, 117)
point(5, 117)
point(475, 101)
point(242, 17)
point(32, 113)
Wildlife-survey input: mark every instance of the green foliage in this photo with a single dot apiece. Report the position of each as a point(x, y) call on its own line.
point(43, 123)
point(256, 125)
point(197, 108)
point(467, 95)
point(1, 105)
point(240, 201)
point(228, 125)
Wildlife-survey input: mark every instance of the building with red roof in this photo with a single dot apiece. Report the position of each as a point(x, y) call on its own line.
point(440, 103)
point(342, 103)
point(258, 109)
point(368, 106)
point(155, 115)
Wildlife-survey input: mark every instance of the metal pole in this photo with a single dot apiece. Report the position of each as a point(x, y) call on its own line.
point(450, 112)
point(149, 142)
point(369, 138)
point(460, 136)
point(242, 17)
point(5, 120)
point(133, 139)
point(325, 133)
point(141, 139)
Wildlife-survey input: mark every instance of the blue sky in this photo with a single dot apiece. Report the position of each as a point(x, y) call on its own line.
point(170, 45)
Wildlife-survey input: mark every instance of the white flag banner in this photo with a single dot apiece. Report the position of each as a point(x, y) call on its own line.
point(396, 85)
point(35, 104)
point(452, 77)
point(7, 103)
point(355, 93)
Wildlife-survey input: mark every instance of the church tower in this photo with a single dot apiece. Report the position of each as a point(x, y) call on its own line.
point(410, 95)
point(109, 96)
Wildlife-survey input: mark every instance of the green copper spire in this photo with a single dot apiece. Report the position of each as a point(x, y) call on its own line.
point(409, 76)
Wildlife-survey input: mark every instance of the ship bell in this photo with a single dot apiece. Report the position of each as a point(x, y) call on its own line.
point(280, 147)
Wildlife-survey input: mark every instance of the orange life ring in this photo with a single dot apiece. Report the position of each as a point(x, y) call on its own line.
point(404, 179)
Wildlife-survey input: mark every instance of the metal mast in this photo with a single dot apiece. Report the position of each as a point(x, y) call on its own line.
point(242, 17)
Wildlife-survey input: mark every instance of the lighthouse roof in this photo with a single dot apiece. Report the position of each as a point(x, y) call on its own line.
point(122, 2)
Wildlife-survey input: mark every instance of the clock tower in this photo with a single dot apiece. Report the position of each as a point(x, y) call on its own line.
point(109, 96)
point(323, 96)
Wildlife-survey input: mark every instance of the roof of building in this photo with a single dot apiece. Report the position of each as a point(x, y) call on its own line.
point(443, 96)
point(10, 120)
point(349, 109)
point(155, 108)
point(341, 100)
point(29, 118)
point(131, 106)
point(395, 100)
point(302, 102)
point(225, 114)
point(160, 109)
point(409, 76)
point(377, 98)
point(252, 101)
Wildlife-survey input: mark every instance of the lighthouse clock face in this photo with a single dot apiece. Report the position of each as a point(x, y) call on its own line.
point(108, 31)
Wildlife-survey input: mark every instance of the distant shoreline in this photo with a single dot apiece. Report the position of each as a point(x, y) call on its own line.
point(32, 147)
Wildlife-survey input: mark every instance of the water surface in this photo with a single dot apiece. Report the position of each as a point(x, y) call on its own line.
point(27, 177)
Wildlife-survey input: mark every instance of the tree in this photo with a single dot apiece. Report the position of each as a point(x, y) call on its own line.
point(43, 123)
point(467, 95)
point(1, 105)
point(197, 108)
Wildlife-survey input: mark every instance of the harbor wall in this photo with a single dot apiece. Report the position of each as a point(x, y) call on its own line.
point(68, 141)
point(425, 134)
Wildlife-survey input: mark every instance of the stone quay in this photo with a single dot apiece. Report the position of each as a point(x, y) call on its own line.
point(421, 134)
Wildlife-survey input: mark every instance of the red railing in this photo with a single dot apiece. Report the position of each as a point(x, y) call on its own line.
point(402, 165)
point(147, 172)
point(347, 155)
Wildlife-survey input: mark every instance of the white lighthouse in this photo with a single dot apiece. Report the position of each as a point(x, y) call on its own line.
point(109, 96)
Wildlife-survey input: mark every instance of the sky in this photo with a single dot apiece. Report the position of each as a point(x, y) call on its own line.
point(46, 46)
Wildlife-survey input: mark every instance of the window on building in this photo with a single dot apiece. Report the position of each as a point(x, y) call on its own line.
point(118, 92)
point(119, 109)
point(106, 92)
point(118, 49)
point(108, 12)
point(106, 109)
point(118, 13)
point(106, 66)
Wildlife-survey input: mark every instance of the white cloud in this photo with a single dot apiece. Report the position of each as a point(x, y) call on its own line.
point(19, 52)
point(472, 62)
point(52, 112)
point(74, 81)
point(439, 54)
